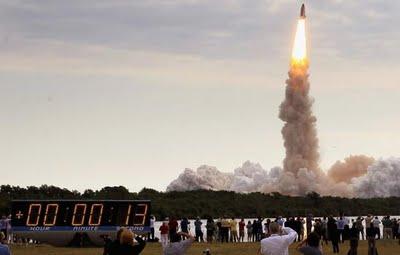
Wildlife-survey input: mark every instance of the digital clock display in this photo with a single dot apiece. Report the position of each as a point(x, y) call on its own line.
point(80, 213)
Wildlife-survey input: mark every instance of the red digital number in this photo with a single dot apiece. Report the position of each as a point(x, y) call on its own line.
point(51, 215)
point(96, 212)
point(78, 217)
point(33, 215)
point(128, 214)
point(140, 214)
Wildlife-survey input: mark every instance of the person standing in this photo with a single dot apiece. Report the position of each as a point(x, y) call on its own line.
point(267, 233)
point(198, 231)
point(152, 221)
point(184, 227)
point(266, 230)
point(255, 231)
point(233, 228)
point(249, 228)
point(376, 222)
point(324, 223)
point(225, 225)
point(210, 227)
point(371, 235)
point(395, 227)
point(333, 234)
point(164, 230)
point(297, 228)
point(318, 227)
point(309, 221)
point(340, 227)
point(219, 230)
point(387, 227)
point(360, 226)
point(173, 226)
point(313, 245)
point(354, 235)
point(303, 222)
point(279, 241)
point(242, 225)
point(259, 229)
point(10, 238)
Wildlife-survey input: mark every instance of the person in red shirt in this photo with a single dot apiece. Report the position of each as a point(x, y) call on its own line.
point(164, 229)
point(173, 227)
point(242, 224)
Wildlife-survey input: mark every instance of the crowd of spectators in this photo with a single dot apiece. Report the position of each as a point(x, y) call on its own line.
point(335, 229)
point(274, 235)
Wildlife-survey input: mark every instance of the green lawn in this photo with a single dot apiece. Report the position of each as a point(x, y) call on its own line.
point(387, 247)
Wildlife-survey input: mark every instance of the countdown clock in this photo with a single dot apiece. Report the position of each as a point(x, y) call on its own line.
point(58, 222)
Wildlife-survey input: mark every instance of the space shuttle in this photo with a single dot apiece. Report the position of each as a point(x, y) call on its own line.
point(303, 11)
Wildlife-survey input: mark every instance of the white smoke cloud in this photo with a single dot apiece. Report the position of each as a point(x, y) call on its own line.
point(381, 179)
point(250, 177)
point(205, 177)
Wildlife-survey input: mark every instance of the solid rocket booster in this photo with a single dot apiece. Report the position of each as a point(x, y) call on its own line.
point(303, 11)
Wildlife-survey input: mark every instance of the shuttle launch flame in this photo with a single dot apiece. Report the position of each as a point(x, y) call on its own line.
point(299, 53)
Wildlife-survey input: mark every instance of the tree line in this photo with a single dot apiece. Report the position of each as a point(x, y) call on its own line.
point(207, 203)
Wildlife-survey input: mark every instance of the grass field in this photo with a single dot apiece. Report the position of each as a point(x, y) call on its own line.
point(387, 247)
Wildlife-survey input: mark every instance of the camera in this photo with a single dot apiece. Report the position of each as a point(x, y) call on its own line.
point(206, 252)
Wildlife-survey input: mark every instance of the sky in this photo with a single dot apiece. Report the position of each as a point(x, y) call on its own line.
point(98, 93)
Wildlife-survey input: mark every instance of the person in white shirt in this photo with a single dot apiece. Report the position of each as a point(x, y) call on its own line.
point(340, 226)
point(10, 238)
point(279, 241)
point(151, 234)
point(377, 224)
point(177, 246)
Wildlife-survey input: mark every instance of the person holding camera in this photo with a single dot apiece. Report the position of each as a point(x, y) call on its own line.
point(177, 246)
point(279, 241)
point(311, 245)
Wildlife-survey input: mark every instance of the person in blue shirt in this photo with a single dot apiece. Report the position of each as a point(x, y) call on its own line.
point(4, 250)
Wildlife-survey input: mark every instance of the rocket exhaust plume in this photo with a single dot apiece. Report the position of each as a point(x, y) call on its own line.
point(299, 132)
point(359, 176)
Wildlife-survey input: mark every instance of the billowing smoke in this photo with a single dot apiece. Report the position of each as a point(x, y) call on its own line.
point(366, 178)
point(252, 177)
point(353, 166)
point(299, 132)
point(381, 180)
point(206, 177)
point(249, 177)
point(357, 176)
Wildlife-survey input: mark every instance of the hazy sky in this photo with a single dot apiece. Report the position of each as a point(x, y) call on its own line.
point(96, 93)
